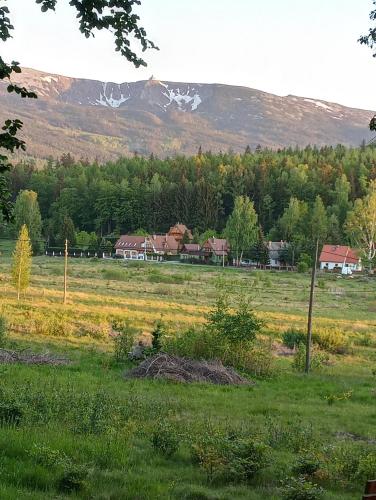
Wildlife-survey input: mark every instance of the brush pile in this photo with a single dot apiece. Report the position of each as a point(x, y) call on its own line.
point(29, 358)
point(163, 366)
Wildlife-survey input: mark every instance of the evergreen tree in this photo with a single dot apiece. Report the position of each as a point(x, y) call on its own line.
point(186, 238)
point(22, 262)
point(26, 211)
point(67, 232)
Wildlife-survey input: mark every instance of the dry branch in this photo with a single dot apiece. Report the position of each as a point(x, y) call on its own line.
point(186, 370)
point(29, 358)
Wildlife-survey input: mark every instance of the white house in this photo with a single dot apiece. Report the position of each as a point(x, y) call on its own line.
point(339, 258)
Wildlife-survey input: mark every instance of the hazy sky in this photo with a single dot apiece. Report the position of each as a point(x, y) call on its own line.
point(302, 47)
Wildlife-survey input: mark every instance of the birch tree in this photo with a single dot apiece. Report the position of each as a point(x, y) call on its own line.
point(22, 262)
point(361, 224)
point(241, 228)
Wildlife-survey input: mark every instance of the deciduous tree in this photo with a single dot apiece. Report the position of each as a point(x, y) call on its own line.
point(26, 211)
point(361, 224)
point(241, 228)
point(21, 265)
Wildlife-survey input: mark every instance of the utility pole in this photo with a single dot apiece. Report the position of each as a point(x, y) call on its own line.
point(65, 271)
point(223, 255)
point(310, 310)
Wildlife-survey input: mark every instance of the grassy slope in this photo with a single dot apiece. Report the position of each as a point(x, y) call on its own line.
point(118, 453)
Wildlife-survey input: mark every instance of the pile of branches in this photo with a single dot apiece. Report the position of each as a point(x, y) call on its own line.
point(186, 370)
point(29, 358)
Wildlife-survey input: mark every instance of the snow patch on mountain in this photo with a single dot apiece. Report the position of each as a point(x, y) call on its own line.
point(110, 101)
point(182, 99)
point(49, 79)
point(319, 104)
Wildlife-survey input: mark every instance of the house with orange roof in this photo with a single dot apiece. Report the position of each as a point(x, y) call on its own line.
point(179, 231)
point(215, 250)
point(340, 258)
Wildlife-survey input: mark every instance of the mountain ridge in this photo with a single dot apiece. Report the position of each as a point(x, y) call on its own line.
point(105, 120)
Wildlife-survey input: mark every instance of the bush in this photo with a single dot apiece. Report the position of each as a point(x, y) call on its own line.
point(318, 359)
point(307, 465)
point(331, 340)
point(230, 457)
point(72, 479)
point(3, 331)
point(302, 267)
point(11, 413)
point(48, 457)
point(157, 336)
point(354, 463)
point(366, 340)
point(195, 343)
point(258, 360)
point(237, 327)
point(165, 439)
point(293, 338)
point(124, 339)
point(204, 343)
point(301, 489)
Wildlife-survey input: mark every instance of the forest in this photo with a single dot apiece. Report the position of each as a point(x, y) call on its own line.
point(298, 194)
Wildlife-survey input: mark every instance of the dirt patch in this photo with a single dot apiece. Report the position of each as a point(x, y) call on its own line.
point(282, 350)
point(355, 437)
point(186, 370)
point(30, 358)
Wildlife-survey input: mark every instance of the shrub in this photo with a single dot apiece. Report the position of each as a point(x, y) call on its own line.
point(354, 463)
point(301, 489)
point(258, 360)
point(230, 457)
point(165, 439)
point(157, 336)
point(48, 457)
point(3, 331)
point(302, 267)
point(237, 327)
point(318, 359)
point(205, 343)
point(293, 338)
point(331, 340)
point(72, 479)
point(195, 343)
point(11, 413)
point(304, 263)
point(366, 340)
point(307, 465)
point(124, 339)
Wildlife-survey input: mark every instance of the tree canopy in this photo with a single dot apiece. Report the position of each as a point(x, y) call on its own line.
point(370, 40)
point(116, 16)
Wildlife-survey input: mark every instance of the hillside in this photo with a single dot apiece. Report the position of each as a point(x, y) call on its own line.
point(101, 120)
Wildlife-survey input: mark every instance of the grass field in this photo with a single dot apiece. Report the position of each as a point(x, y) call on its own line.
point(87, 417)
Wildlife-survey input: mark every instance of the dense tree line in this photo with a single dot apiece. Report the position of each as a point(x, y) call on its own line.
point(298, 194)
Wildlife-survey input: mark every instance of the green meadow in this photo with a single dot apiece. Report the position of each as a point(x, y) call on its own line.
point(86, 431)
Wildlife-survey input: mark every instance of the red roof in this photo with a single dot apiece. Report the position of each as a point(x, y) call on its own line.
point(219, 246)
point(191, 248)
point(164, 242)
point(339, 254)
point(129, 242)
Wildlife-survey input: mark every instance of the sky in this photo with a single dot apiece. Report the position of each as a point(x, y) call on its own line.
point(301, 47)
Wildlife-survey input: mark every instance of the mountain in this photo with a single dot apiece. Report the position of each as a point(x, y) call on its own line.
point(93, 119)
